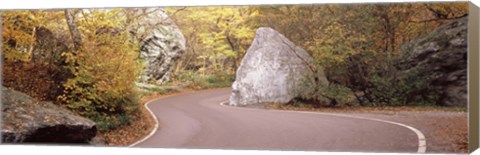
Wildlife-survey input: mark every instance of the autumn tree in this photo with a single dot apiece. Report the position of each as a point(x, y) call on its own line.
point(220, 35)
point(356, 43)
point(105, 64)
point(89, 57)
point(32, 49)
point(217, 38)
point(80, 58)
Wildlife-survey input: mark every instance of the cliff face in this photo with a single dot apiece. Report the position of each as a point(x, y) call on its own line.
point(441, 58)
point(162, 45)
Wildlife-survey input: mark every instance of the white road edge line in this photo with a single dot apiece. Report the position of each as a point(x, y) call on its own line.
point(422, 142)
point(154, 129)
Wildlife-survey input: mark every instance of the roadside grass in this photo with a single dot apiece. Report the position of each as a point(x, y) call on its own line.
point(198, 81)
point(212, 81)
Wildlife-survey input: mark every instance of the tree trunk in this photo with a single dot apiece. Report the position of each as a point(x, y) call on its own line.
point(232, 46)
point(74, 32)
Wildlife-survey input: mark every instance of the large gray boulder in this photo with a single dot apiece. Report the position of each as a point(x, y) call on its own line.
point(440, 58)
point(26, 120)
point(273, 70)
point(162, 44)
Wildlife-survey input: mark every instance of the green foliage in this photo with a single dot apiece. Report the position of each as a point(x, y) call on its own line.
point(342, 95)
point(110, 120)
point(355, 44)
point(331, 95)
point(410, 89)
point(159, 90)
point(200, 81)
point(216, 81)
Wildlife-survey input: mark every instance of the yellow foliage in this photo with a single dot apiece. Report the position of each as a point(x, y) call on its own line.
point(215, 35)
point(106, 68)
point(17, 33)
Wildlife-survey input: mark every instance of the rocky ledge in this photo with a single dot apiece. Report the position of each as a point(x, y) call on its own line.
point(26, 120)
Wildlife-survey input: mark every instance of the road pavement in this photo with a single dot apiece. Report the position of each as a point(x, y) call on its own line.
point(197, 120)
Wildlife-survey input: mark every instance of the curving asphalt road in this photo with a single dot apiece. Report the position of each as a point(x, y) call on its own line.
point(196, 120)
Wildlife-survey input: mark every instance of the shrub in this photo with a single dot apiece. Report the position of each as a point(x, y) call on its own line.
point(103, 88)
point(370, 83)
point(200, 81)
point(331, 95)
point(410, 89)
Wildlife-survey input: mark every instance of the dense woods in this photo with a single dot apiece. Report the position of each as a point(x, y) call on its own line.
point(356, 45)
point(88, 59)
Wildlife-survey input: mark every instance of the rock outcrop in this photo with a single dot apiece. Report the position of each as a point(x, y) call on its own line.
point(272, 71)
point(46, 64)
point(26, 120)
point(162, 44)
point(441, 58)
point(48, 47)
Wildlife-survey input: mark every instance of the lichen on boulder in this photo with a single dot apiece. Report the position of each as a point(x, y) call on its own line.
point(272, 71)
